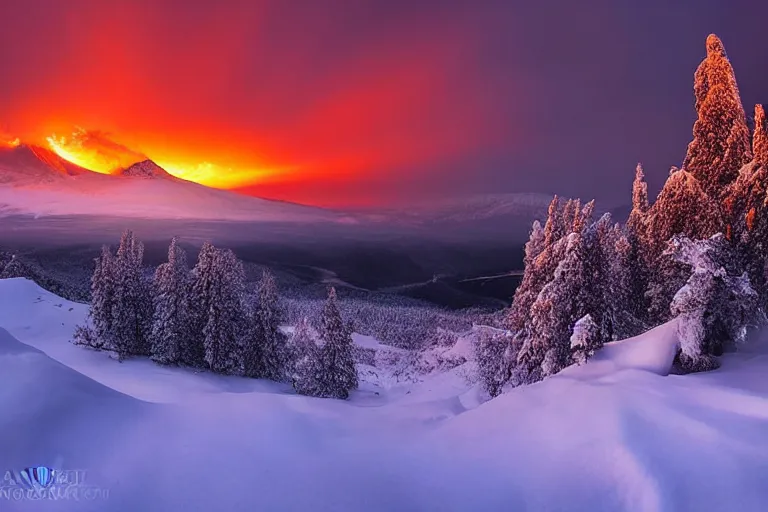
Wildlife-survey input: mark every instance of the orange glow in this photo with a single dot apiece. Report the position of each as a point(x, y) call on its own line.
point(9, 142)
point(218, 176)
point(71, 149)
point(97, 152)
point(236, 98)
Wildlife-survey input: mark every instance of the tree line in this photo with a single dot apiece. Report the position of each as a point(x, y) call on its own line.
point(698, 253)
point(202, 318)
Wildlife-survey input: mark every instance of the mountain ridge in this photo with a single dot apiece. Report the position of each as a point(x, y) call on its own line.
point(147, 169)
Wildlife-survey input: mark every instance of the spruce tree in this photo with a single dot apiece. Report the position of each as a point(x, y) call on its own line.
point(193, 351)
point(535, 244)
point(584, 218)
point(304, 371)
point(721, 144)
point(271, 341)
point(171, 317)
point(553, 229)
point(132, 306)
point(595, 297)
point(339, 374)
point(546, 350)
point(716, 307)
point(570, 211)
point(760, 137)
point(570, 226)
point(639, 245)
point(748, 223)
point(103, 298)
point(526, 292)
point(585, 340)
point(224, 331)
point(683, 207)
point(625, 301)
point(541, 259)
point(492, 365)
point(639, 193)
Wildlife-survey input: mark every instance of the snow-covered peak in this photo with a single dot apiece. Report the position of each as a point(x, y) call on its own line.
point(145, 169)
point(38, 182)
point(28, 164)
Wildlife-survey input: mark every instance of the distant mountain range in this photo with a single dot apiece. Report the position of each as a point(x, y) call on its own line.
point(36, 181)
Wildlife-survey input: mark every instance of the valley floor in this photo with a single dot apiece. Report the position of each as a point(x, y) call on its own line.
point(615, 434)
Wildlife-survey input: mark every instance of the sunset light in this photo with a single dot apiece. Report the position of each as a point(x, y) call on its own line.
point(9, 142)
point(384, 255)
point(98, 152)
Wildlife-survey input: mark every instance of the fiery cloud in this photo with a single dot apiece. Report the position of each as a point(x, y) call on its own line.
point(273, 99)
point(9, 142)
point(94, 150)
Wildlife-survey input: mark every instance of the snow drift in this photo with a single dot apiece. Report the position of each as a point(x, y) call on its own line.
point(615, 434)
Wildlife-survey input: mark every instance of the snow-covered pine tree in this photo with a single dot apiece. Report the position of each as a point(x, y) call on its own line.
point(640, 246)
point(570, 210)
point(584, 218)
point(132, 306)
point(535, 244)
point(526, 291)
point(170, 321)
point(224, 330)
point(251, 347)
point(102, 302)
point(595, 295)
point(639, 200)
point(667, 277)
point(570, 224)
point(193, 351)
point(339, 374)
point(542, 266)
point(720, 145)
point(715, 308)
point(760, 137)
point(267, 317)
point(493, 368)
point(553, 228)
point(304, 371)
point(624, 303)
point(85, 335)
point(585, 340)
point(748, 222)
point(546, 350)
point(682, 207)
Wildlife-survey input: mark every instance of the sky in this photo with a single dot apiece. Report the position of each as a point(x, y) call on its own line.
point(351, 103)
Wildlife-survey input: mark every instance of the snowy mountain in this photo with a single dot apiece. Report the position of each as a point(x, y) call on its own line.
point(616, 434)
point(36, 181)
point(470, 208)
point(33, 165)
point(145, 169)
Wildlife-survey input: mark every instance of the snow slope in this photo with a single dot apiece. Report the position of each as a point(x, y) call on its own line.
point(613, 435)
point(36, 181)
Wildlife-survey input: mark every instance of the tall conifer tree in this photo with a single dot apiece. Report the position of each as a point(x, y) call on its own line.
point(339, 374)
point(171, 318)
point(193, 353)
point(132, 306)
point(760, 137)
point(720, 145)
point(224, 330)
